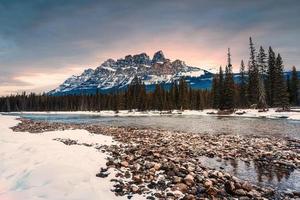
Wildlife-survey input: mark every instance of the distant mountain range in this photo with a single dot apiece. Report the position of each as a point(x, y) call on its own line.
point(114, 75)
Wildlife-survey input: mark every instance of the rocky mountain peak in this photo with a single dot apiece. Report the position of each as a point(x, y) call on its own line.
point(87, 71)
point(178, 64)
point(118, 74)
point(109, 62)
point(142, 58)
point(129, 58)
point(158, 57)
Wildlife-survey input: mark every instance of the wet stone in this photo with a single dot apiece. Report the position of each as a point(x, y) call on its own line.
point(102, 174)
point(181, 187)
point(208, 183)
point(240, 192)
point(229, 187)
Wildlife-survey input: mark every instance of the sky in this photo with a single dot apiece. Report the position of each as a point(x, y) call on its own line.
point(42, 42)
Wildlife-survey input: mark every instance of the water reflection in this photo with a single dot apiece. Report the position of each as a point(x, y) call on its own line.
point(262, 174)
point(271, 173)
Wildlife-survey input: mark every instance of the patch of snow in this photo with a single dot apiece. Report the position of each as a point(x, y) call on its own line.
point(194, 73)
point(108, 68)
point(154, 79)
point(34, 166)
point(271, 114)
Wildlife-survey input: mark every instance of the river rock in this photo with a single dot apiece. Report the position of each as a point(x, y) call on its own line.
point(134, 188)
point(157, 155)
point(177, 179)
point(212, 191)
point(247, 186)
point(240, 192)
point(189, 180)
point(102, 174)
point(227, 175)
point(205, 174)
point(127, 174)
point(124, 164)
point(157, 166)
point(181, 187)
point(208, 183)
point(229, 187)
point(137, 179)
point(152, 170)
point(189, 197)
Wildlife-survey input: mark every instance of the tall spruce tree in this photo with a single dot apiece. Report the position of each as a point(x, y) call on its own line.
point(262, 103)
point(142, 98)
point(262, 68)
point(280, 88)
point(253, 73)
point(221, 88)
point(294, 88)
point(183, 94)
point(243, 97)
point(229, 89)
point(215, 91)
point(288, 87)
point(262, 61)
point(271, 78)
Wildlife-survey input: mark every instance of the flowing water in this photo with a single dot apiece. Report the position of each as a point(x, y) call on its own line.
point(194, 124)
point(281, 179)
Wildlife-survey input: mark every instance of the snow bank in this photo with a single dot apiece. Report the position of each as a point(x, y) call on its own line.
point(271, 114)
point(34, 166)
point(250, 113)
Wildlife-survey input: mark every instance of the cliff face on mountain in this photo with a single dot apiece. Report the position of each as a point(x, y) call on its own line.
point(115, 75)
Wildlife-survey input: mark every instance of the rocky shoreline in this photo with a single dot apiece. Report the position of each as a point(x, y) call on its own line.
point(160, 164)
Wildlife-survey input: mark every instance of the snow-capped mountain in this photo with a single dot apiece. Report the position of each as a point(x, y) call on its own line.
point(117, 74)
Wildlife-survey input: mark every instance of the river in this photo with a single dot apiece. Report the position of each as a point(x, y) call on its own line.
point(194, 124)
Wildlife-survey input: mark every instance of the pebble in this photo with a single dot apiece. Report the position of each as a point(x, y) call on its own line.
point(181, 187)
point(247, 186)
point(208, 183)
point(229, 187)
point(189, 180)
point(240, 192)
point(124, 164)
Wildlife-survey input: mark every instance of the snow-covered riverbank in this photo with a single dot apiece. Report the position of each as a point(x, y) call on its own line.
point(34, 166)
point(271, 114)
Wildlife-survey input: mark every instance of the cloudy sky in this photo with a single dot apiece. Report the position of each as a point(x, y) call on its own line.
point(42, 42)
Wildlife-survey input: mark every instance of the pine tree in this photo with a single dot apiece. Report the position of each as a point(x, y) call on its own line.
point(294, 88)
point(288, 86)
point(142, 96)
point(262, 103)
point(281, 95)
point(243, 98)
point(158, 98)
point(261, 61)
point(262, 68)
point(271, 79)
point(116, 102)
point(183, 94)
point(221, 88)
point(215, 91)
point(253, 73)
point(229, 90)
